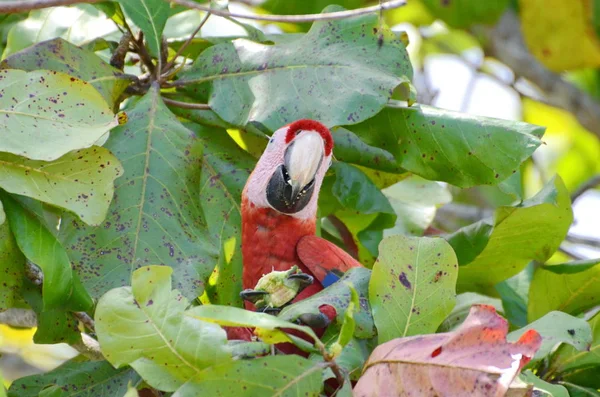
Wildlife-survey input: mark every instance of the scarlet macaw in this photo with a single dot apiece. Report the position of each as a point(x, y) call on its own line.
point(279, 213)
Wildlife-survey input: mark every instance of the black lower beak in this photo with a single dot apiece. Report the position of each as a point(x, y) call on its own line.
point(283, 196)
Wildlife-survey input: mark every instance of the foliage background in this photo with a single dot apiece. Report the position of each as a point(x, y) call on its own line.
point(465, 57)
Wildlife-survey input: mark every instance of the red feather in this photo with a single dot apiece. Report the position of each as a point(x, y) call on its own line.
point(321, 256)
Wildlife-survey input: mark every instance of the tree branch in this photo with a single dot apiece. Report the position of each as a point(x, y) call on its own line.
point(584, 187)
point(10, 7)
point(170, 64)
point(506, 43)
point(294, 18)
point(186, 105)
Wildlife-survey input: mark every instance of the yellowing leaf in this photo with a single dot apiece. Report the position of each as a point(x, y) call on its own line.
point(560, 33)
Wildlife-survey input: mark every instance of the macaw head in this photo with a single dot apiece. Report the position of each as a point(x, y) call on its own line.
point(289, 174)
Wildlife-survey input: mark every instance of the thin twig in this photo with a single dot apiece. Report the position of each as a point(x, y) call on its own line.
point(345, 234)
point(294, 18)
point(10, 7)
point(186, 105)
point(170, 64)
point(584, 187)
point(590, 242)
point(144, 55)
point(569, 252)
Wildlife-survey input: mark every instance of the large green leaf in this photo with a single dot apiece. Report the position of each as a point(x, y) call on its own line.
point(77, 378)
point(464, 13)
point(61, 56)
point(555, 328)
point(514, 293)
point(61, 287)
point(145, 326)
point(155, 216)
point(77, 25)
point(12, 266)
point(53, 325)
point(362, 206)
point(349, 148)
point(338, 295)
point(47, 114)
point(568, 292)
point(415, 201)
point(267, 376)
point(150, 16)
point(225, 168)
point(412, 288)
point(453, 147)
point(532, 230)
point(568, 359)
point(80, 181)
point(336, 73)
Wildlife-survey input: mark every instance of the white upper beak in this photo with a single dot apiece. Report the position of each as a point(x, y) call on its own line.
point(305, 158)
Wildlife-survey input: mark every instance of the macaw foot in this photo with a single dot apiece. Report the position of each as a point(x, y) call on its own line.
point(277, 289)
point(325, 316)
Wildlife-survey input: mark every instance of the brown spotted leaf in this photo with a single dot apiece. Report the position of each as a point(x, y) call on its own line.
point(61, 56)
point(155, 216)
point(475, 360)
point(412, 288)
point(46, 114)
point(80, 181)
point(337, 73)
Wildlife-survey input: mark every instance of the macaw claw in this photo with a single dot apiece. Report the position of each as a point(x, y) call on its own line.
point(252, 295)
point(314, 320)
point(303, 279)
point(269, 310)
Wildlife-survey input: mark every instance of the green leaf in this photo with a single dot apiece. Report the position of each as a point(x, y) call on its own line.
point(580, 391)
point(145, 326)
point(464, 13)
point(547, 389)
point(572, 267)
point(412, 288)
point(555, 328)
point(80, 181)
point(53, 325)
point(112, 10)
point(338, 296)
point(354, 190)
point(61, 56)
point(236, 317)
point(78, 24)
point(150, 16)
point(470, 241)
point(348, 324)
point(61, 288)
point(357, 194)
point(155, 216)
point(568, 292)
point(12, 266)
point(225, 168)
point(308, 77)
point(568, 359)
point(414, 201)
point(349, 148)
point(77, 378)
point(542, 223)
point(514, 293)
point(267, 376)
point(48, 114)
point(460, 312)
point(442, 145)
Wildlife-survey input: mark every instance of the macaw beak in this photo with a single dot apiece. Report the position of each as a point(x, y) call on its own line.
point(292, 184)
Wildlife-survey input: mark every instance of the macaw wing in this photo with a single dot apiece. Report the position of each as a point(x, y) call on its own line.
point(325, 260)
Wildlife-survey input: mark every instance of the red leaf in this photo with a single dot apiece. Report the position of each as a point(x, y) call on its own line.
point(474, 360)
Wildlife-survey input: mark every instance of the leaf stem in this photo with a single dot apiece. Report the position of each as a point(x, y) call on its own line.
point(186, 105)
point(584, 187)
point(170, 64)
point(295, 18)
point(11, 7)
